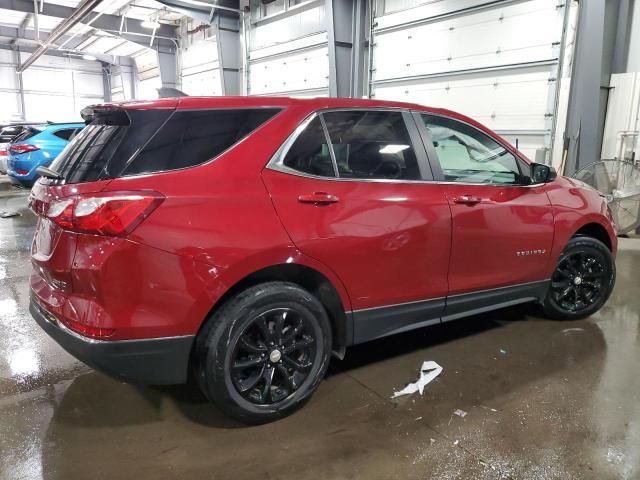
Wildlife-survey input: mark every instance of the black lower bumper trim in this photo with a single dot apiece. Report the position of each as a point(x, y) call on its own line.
point(155, 361)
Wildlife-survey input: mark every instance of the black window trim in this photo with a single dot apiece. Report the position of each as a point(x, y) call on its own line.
point(434, 161)
point(426, 173)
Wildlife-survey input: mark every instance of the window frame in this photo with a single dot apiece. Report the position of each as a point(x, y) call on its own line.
point(426, 173)
point(434, 161)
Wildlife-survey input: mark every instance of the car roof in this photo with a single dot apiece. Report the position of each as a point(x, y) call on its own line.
point(315, 103)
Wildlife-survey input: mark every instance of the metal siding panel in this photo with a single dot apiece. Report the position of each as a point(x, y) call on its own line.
point(294, 26)
point(203, 83)
point(87, 84)
point(308, 70)
point(506, 100)
point(58, 108)
point(9, 106)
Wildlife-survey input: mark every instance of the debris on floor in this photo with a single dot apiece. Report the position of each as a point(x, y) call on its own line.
point(428, 372)
point(503, 351)
point(4, 214)
point(460, 413)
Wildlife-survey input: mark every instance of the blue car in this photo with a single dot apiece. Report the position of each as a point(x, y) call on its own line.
point(37, 146)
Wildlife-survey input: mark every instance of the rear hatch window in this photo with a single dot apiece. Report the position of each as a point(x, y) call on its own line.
point(28, 132)
point(119, 143)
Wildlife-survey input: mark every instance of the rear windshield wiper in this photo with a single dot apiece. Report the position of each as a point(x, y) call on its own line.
point(48, 173)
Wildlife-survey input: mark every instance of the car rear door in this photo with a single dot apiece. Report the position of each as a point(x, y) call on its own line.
point(359, 203)
point(502, 226)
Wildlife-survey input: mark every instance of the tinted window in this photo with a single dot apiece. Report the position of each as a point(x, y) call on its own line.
point(192, 137)
point(372, 145)
point(468, 155)
point(65, 133)
point(27, 133)
point(102, 149)
point(310, 152)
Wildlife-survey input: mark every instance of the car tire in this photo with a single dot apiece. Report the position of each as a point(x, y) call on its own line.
point(582, 281)
point(262, 354)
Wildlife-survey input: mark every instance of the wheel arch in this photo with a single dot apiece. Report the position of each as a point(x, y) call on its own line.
point(597, 231)
point(308, 278)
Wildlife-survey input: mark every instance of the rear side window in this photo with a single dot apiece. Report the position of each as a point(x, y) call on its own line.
point(366, 144)
point(372, 145)
point(65, 133)
point(310, 152)
point(192, 137)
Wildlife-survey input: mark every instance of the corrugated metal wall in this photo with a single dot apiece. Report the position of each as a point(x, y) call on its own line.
point(497, 63)
point(54, 88)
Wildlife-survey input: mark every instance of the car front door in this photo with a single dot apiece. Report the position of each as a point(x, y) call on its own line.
point(502, 225)
point(350, 190)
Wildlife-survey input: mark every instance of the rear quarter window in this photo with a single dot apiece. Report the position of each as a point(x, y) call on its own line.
point(191, 138)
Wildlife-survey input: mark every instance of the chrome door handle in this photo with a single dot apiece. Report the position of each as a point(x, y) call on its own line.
point(467, 200)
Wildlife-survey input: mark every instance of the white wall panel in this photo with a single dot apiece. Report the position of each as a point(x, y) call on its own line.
point(9, 106)
point(8, 79)
point(89, 84)
point(305, 22)
point(57, 108)
point(506, 100)
point(308, 70)
point(516, 33)
point(207, 83)
point(47, 80)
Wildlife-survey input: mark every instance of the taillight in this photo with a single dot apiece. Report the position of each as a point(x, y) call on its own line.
point(113, 214)
point(23, 148)
point(20, 171)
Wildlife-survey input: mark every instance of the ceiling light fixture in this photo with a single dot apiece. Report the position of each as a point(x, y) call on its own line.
point(86, 56)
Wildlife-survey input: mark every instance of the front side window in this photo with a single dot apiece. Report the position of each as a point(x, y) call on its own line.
point(467, 155)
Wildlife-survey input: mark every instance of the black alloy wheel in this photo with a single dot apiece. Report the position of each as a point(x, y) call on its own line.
point(263, 353)
point(582, 280)
point(273, 355)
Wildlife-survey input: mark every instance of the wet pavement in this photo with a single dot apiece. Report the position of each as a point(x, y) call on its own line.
point(544, 400)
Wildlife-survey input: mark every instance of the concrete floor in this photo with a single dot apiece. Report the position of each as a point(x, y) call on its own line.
point(544, 400)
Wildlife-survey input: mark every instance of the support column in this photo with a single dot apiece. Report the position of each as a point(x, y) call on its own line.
point(229, 39)
point(106, 81)
point(346, 29)
point(602, 45)
point(168, 65)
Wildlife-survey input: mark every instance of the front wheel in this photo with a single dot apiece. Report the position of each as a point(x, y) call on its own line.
point(582, 280)
point(263, 354)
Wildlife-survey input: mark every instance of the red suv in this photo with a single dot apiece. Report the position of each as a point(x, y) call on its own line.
point(247, 239)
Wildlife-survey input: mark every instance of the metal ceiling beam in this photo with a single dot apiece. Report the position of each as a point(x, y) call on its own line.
point(165, 35)
point(111, 59)
point(63, 27)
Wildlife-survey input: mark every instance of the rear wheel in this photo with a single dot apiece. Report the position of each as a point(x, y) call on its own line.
point(263, 354)
point(582, 281)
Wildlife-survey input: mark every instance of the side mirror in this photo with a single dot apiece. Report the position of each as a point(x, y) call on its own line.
point(541, 173)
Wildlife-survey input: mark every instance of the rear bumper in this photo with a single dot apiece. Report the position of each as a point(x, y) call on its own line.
point(154, 361)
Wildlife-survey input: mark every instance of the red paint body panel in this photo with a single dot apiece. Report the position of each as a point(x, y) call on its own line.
point(388, 243)
point(380, 244)
point(488, 235)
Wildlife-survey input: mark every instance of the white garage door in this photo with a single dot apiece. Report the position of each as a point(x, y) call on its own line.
point(290, 56)
point(496, 63)
point(201, 68)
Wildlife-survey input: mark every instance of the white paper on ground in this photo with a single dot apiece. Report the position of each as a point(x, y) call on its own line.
point(428, 372)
